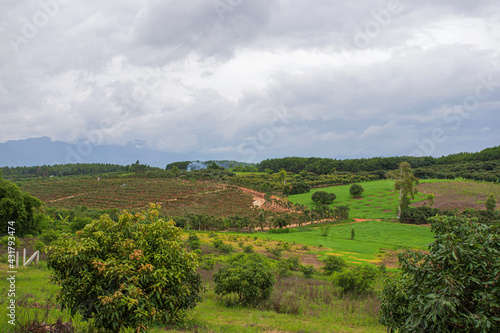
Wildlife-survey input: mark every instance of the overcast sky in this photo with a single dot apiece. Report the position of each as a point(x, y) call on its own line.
point(253, 79)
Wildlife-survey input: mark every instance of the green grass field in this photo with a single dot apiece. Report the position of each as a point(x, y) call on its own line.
point(379, 200)
point(370, 238)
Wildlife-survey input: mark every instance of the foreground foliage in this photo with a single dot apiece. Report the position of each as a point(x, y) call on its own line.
point(128, 273)
point(19, 207)
point(453, 288)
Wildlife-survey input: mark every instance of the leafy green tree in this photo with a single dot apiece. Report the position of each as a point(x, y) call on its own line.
point(430, 198)
point(248, 276)
point(491, 203)
point(356, 190)
point(128, 273)
point(19, 207)
point(454, 288)
point(282, 176)
point(355, 280)
point(333, 264)
point(300, 187)
point(323, 198)
point(404, 183)
point(286, 190)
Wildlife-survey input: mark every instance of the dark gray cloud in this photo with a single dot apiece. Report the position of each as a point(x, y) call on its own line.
point(254, 79)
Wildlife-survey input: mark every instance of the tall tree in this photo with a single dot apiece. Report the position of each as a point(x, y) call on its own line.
point(404, 183)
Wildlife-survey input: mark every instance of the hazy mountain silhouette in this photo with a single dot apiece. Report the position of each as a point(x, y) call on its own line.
point(40, 151)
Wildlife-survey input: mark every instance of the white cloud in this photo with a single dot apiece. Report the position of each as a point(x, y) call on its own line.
point(181, 76)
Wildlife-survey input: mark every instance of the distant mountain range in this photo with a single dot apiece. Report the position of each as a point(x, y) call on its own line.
point(40, 151)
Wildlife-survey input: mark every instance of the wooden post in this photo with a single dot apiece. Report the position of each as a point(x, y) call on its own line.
point(37, 257)
point(17, 259)
point(24, 256)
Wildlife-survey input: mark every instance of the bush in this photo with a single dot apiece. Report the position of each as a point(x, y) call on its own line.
point(226, 248)
point(217, 243)
point(48, 236)
point(194, 241)
point(356, 190)
point(275, 252)
point(248, 248)
point(355, 280)
point(454, 288)
point(79, 223)
point(308, 271)
point(247, 276)
point(40, 246)
point(128, 273)
point(300, 187)
point(333, 264)
point(490, 203)
point(323, 198)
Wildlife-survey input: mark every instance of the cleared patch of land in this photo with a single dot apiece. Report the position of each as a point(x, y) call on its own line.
point(458, 194)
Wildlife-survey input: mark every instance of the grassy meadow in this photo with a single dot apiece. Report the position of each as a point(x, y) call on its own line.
point(379, 200)
point(372, 240)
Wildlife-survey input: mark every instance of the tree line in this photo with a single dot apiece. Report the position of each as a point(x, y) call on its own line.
point(321, 166)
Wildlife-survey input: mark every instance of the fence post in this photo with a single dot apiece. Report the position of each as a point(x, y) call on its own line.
point(24, 256)
point(17, 259)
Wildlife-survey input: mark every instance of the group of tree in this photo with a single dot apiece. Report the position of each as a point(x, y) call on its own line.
point(20, 208)
point(378, 165)
point(59, 170)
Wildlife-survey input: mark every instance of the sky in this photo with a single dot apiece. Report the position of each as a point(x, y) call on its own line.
point(254, 79)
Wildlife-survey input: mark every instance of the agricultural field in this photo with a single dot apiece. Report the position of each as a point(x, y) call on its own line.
point(177, 197)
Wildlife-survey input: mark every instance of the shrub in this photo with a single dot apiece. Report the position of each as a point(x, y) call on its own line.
point(356, 190)
point(286, 266)
point(333, 264)
point(194, 241)
point(39, 246)
point(208, 264)
point(453, 288)
point(248, 276)
point(308, 271)
point(323, 198)
point(226, 248)
point(217, 243)
point(79, 223)
point(248, 248)
point(355, 280)
point(275, 252)
point(490, 203)
point(300, 187)
point(128, 273)
point(48, 236)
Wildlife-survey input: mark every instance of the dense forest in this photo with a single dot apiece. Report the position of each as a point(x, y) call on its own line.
point(326, 165)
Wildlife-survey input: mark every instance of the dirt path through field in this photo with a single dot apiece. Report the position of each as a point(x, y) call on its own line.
point(68, 197)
